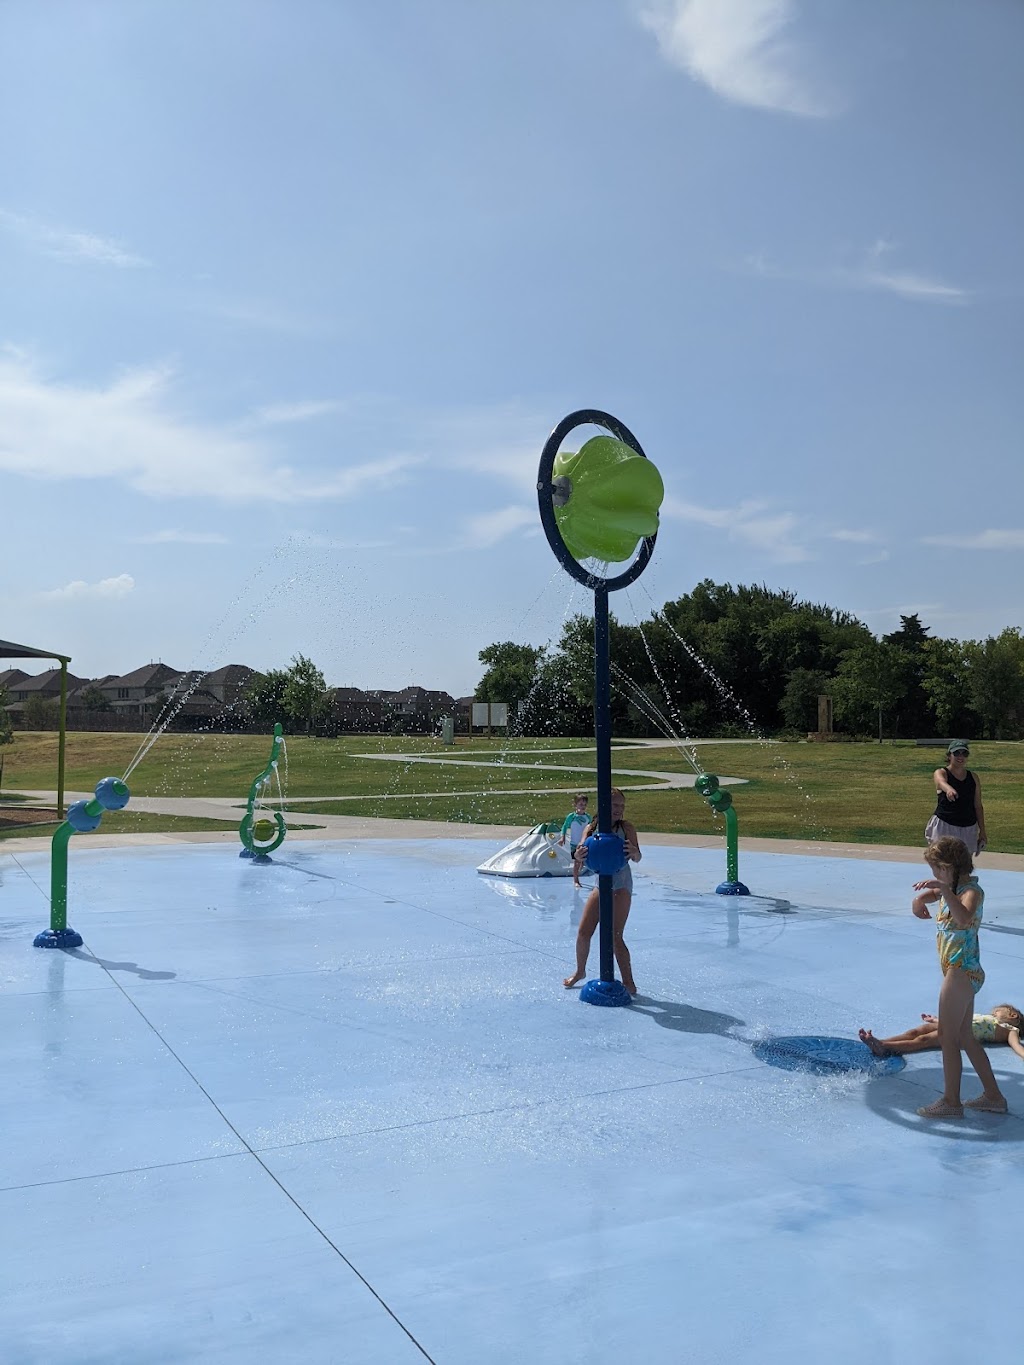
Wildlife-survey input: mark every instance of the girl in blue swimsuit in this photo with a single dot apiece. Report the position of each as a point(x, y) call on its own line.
point(961, 902)
point(622, 898)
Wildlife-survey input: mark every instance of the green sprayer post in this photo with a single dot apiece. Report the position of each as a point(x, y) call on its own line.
point(721, 801)
point(83, 816)
point(732, 854)
point(252, 848)
point(59, 870)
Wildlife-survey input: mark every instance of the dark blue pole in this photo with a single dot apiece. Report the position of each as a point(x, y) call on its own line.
point(603, 741)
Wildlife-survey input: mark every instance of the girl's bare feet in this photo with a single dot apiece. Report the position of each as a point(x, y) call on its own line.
point(573, 980)
point(870, 1041)
point(630, 986)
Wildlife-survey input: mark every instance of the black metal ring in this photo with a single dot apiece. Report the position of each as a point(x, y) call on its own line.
point(585, 417)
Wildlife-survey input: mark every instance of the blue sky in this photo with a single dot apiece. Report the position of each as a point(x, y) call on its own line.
point(292, 293)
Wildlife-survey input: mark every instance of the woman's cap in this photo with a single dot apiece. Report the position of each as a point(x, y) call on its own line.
point(958, 746)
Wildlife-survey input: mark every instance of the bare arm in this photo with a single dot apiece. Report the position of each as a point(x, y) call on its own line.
point(962, 909)
point(1015, 1043)
point(926, 893)
point(941, 785)
point(632, 842)
point(982, 836)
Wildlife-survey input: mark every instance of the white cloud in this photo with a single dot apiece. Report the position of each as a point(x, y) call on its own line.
point(129, 430)
point(737, 48)
point(177, 537)
point(65, 245)
point(869, 272)
point(906, 283)
point(983, 540)
point(853, 537)
point(120, 586)
point(487, 529)
point(277, 413)
point(777, 534)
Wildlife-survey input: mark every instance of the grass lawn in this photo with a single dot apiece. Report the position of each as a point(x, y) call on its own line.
point(850, 793)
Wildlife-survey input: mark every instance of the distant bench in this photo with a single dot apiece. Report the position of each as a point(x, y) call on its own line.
point(931, 743)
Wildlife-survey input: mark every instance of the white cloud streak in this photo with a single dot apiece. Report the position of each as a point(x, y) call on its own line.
point(276, 414)
point(75, 591)
point(487, 529)
point(751, 523)
point(868, 274)
point(128, 430)
point(739, 49)
point(178, 537)
point(853, 537)
point(983, 540)
point(62, 244)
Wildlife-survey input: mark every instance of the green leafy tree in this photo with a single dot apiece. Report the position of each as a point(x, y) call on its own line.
point(41, 714)
point(799, 705)
point(912, 711)
point(997, 683)
point(264, 697)
point(6, 727)
point(946, 683)
point(871, 682)
point(511, 670)
point(93, 699)
point(304, 697)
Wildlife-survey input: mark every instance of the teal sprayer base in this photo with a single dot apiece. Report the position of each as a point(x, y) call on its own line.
point(57, 938)
point(605, 993)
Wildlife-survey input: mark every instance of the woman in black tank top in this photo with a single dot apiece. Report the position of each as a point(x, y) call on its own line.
point(958, 808)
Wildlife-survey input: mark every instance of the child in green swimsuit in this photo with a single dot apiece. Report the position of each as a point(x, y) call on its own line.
point(961, 899)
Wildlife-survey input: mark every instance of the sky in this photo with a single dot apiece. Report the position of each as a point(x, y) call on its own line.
point(292, 292)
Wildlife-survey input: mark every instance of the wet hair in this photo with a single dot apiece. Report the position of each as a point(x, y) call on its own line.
point(950, 852)
point(1017, 1020)
point(592, 827)
point(580, 796)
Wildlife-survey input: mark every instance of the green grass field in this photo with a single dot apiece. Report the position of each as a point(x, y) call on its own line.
point(856, 793)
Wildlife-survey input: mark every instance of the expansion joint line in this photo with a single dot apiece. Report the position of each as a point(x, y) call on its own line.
point(257, 1158)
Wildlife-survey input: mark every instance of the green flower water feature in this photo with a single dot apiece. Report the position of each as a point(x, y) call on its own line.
point(607, 499)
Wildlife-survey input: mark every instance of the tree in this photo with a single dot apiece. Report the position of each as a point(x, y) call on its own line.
point(511, 671)
point(6, 727)
point(95, 700)
point(997, 683)
point(41, 714)
point(946, 683)
point(799, 705)
point(872, 680)
point(304, 696)
point(913, 708)
point(264, 697)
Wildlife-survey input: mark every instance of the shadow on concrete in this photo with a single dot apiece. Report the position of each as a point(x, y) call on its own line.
point(898, 1102)
point(685, 1018)
point(142, 972)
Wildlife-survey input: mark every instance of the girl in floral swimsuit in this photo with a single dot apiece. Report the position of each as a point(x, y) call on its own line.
point(958, 920)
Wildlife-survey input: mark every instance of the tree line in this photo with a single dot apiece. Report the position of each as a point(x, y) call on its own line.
point(721, 661)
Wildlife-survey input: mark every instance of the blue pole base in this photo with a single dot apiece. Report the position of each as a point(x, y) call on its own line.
point(731, 889)
point(245, 853)
point(605, 993)
point(261, 857)
point(57, 938)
